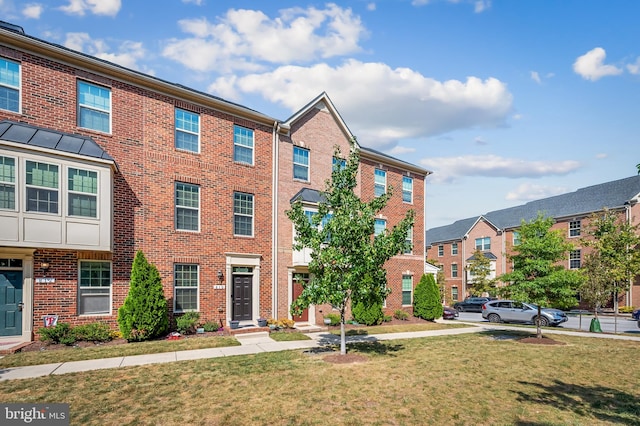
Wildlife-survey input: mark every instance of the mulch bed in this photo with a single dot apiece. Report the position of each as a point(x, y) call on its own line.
point(543, 341)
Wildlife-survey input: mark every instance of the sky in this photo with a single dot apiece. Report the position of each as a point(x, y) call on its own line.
point(505, 101)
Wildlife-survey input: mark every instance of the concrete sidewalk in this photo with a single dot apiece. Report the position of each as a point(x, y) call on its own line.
point(253, 343)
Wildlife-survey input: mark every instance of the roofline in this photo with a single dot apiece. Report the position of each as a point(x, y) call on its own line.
point(329, 103)
point(108, 69)
point(376, 156)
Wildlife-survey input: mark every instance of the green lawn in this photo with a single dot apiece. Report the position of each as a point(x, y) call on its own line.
point(486, 378)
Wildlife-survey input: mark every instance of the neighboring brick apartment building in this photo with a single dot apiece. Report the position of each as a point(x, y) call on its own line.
point(98, 161)
point(496, 232)
point(305, 162)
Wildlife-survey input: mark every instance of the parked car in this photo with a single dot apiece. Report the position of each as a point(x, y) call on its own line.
point(636, 315)
point(512, 311)
point(449, 313)
point(471, 304)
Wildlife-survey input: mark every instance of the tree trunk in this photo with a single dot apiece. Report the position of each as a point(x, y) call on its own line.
point(538, 328)
point(343, 338)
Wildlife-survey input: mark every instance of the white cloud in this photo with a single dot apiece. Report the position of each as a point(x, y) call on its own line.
point(399, 150)
point(530, 191)
point(196, 2)
point(479, 140)
point(447, 169)
point(129, 52)
point(481, 5)
point(535, 77)
point(249, 40)
point(32, 10)
point(381, 104)
point(371, 7)
point(635, 67)
point(591, 65)
point(601, 156)
point(96, 7)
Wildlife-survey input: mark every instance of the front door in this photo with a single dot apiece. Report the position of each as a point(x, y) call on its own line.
point(298, 281)
point(242, 285)
point(10, 303)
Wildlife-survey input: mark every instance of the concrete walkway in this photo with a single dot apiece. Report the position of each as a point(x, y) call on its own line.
point(253, 343)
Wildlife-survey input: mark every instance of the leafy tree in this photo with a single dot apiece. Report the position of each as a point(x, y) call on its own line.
point(537, 275)
point(346, 260)
point(638, 167)
point(479, 269)
point(143, 315)
point(615, 259)
point(427, 303)
point(367, 314)
point(596, 289)
point(441, 280)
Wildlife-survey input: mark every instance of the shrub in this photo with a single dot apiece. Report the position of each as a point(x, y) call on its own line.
point(60, 333)
point(93, 332)
point(426, 299)
point(368, 314)
point(626, 309)
point(401, 315)
point(187, 322)
point(335, 318)
point(143, 315)
point(210, 326)
point(387, 318)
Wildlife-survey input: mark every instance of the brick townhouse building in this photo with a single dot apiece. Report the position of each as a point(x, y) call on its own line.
point(305, 162)
point(495, 233)
point(98, 161)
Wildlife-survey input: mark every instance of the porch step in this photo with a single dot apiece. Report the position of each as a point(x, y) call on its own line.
point(253, 338)
point(306, 327)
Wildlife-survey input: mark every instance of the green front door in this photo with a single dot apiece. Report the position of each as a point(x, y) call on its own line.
point(10, 303)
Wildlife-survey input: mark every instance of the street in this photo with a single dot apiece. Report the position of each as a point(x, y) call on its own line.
point(579, 322)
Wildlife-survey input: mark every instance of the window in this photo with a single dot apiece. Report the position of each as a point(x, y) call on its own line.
point(42, 187)
point(9, 85)
point(242, 145)
point(95, 288)
point(187, 130)
point(454, 293)
point(340, 163)
point(409, 241)
point(454, 248)
point(440, 250)
point(83, 190)
point(483, 243)
point(407, 289)
point(516, 238)
point(574, 228)
point(94, 107)
point(379, 182)
point(379, 226)
point(187, 207)
point(574, 259)
point(7, 183)
point(185, 287)
point(300, 163)
point(454, 270)
point(407, 189)
point(242, 214)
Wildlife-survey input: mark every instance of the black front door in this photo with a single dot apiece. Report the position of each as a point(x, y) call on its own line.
point(10, 303)
point(241, 297)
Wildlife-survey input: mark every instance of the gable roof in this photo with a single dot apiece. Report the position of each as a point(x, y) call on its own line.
point(40, 137)
point(582, 202)
point(308, 195)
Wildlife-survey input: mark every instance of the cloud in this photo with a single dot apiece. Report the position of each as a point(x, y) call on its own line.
point(381, 104)
point(535, 77)
point(591, 65)
point(371, 7)
point(447, 169)
point(634, 68)
point(399, 150)
point(479, 140)
point(129, 52)
point(96, 7)
point(249, 40)
point(601, 156)
point(32, 10)
point(530, 191)
point(481, 5)
point(196, 2)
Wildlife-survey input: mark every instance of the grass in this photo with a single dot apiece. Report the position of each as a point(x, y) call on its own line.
point(485, 378)
point(288, 336)
point(399, 328)
point(109, 351)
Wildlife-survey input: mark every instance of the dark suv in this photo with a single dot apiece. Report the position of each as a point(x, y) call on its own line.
point(471, 304)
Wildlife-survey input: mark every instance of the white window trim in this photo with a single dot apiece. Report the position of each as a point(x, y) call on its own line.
point(253, 146)
point(456, 247)
point(409, 238)
point(176, 206)
point(411, 192)
point(578, 229)
point(377, 220)
point(15, 183)
point(61, 182)
point(110, 312)
point(175, 288)
point(19, 88)
point(197, 151)
point(375, 184)
point(456, 269)
point(68, 191)
point(440, 252)
point(253, 215)
point(80, 106)
point(402, 289)
point(308, 166)
point(579, 259)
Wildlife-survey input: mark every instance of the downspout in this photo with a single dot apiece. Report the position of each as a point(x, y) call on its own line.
point(629, 301)
point(464, 263)
point(274, 223)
